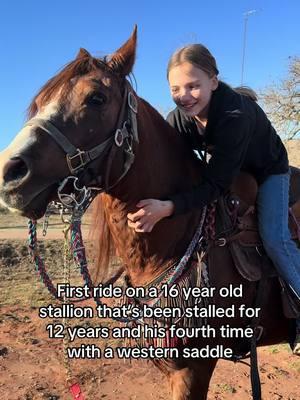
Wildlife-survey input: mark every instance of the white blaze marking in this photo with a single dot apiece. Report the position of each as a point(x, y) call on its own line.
point(24, 138)
point(48, 111)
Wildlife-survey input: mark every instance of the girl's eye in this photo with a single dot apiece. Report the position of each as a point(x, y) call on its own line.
point(97, 99)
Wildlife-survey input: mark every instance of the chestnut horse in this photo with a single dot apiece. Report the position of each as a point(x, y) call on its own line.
point(85, 103)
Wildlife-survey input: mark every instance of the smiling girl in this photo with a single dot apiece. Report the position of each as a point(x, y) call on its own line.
point(212, 116)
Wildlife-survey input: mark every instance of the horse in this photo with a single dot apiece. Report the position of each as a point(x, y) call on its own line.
point(85, 106)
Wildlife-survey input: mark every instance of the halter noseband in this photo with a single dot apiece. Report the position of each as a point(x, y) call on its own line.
point(125, 133)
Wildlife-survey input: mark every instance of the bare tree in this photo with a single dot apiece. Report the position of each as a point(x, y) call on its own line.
point(282, 102)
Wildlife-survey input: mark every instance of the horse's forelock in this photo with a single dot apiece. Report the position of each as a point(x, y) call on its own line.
point(62, 82)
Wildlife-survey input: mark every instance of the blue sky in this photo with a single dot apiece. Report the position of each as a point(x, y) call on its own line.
point(38, 38)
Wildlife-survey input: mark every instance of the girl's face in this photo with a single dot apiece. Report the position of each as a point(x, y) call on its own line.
point(191, 89)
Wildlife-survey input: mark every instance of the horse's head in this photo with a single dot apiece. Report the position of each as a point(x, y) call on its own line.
point(80, 108)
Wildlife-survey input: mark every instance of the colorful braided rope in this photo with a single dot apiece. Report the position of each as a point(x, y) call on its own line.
point(39, 263)
point(79, 255)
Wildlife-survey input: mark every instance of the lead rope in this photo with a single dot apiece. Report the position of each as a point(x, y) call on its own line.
point(79, 255)
point(39, 264)
point(74, 386)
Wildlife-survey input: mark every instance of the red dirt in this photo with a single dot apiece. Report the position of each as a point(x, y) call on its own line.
point(17, 233)
point(31, 364)
point(31, 368)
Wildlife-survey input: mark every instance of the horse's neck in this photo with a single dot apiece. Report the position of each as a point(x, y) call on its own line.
point(161, 167)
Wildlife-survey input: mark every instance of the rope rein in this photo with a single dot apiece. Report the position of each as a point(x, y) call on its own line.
point(77, 248)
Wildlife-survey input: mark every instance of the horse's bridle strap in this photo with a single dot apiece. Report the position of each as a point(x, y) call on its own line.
point(60, 139)
point(71, 151)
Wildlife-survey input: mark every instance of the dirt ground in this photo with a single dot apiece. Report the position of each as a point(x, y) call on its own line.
point(32, 365)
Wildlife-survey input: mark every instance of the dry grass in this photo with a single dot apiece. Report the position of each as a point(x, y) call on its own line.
point(293, 149)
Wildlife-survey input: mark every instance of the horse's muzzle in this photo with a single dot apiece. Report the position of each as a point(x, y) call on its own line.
point(21, 192)
point(15, 172)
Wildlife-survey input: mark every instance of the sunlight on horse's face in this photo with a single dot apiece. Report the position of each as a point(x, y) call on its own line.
point(33, 164)
point(91, 110)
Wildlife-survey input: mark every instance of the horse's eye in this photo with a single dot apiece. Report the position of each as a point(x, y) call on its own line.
point(97, 99)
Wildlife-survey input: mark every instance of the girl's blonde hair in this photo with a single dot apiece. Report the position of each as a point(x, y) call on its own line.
point(246, 91)
point(197, 55)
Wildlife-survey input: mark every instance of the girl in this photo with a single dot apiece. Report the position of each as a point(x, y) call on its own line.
point(212, 115)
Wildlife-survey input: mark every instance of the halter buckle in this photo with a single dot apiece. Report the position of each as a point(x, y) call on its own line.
point(132, 102)
point(81, 158)
point(119, 138)
point(221, 242)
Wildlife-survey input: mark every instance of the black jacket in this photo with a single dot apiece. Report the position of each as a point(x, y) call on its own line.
point(241, 138)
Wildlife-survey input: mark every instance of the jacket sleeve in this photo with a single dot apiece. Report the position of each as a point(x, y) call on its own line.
point(185, 127)
point(231, 139)
point(176, 121)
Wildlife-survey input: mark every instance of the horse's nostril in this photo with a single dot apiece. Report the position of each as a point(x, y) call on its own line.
point(15, 169)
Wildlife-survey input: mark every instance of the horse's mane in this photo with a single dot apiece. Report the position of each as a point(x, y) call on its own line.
point(102, 238)
point(62, 81)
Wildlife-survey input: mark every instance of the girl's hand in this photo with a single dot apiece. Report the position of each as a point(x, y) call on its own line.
point(150, 212)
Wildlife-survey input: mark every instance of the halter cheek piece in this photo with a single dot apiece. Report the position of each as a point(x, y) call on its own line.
point(123, 137)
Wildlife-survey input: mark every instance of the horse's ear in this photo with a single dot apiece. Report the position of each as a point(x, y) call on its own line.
point(123, 59)
point(82, 54)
